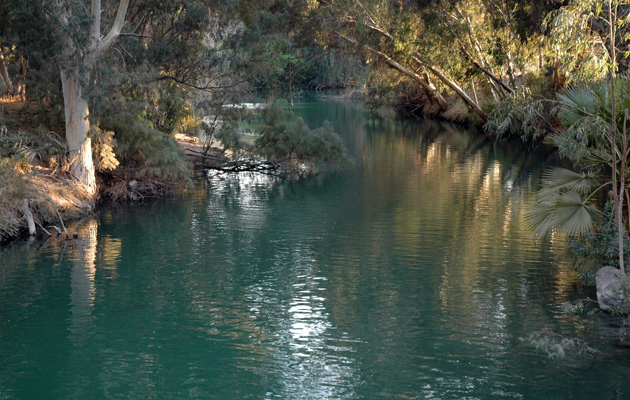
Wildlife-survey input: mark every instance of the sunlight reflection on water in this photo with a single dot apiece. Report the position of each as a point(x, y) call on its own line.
point(410, 276)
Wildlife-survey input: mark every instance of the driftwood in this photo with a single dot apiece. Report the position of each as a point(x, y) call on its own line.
point(243, 166)
point(60, 219)
point(29, 218)
point(219, 162)
point(43, 229)
point(56, 228)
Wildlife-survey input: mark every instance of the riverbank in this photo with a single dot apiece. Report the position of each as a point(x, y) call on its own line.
point(36, 186)
point(55, 198)
point(35, 169)
point(49, 198)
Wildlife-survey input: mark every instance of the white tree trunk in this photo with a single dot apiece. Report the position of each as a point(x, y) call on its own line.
point(4, 76)
point(77, 127)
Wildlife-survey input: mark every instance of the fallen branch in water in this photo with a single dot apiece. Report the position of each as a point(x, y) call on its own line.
point(44, 229)
point(60, 219)
point(557, 345)
point(244, 166)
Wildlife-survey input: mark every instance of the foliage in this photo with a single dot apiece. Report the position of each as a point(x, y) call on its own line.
point(31, 147)
point(166, 106)
point(103, 144)
point(564, 203)
point(523, 115)
point(13, 188)
point(566, 200)
point(283, 138)
point(579, 53)
point(598, 248)
point(145, 151)
point(586, 114)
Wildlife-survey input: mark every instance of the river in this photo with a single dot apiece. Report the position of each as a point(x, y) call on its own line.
point(409, 276)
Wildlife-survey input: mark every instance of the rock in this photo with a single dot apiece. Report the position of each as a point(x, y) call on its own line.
point(608, 281)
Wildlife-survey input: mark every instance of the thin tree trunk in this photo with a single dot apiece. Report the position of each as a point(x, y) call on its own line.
point(613, 129)
point(510, 69)
point(474, 90)
point(622, 181)
point(77, 127)
point(540, 54)
point(4, 75)
point(485, 71)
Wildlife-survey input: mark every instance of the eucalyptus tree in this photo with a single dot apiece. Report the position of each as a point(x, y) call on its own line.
point(83, 43)
point(96, 47)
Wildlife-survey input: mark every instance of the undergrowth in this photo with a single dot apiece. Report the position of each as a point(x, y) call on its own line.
point(598, 248)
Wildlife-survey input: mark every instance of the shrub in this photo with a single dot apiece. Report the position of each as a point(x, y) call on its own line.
point(521, 115)
point(599, 248)
point(281, 137)
point(143, 151)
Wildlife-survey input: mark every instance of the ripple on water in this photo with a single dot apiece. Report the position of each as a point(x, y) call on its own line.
point(411, 276)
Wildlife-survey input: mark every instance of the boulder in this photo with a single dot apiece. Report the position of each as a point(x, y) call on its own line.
point(609, 283)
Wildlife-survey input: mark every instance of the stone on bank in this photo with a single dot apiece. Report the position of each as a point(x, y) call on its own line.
point(612, 290)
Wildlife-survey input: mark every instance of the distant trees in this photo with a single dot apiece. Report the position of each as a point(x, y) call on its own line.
point(462, 47)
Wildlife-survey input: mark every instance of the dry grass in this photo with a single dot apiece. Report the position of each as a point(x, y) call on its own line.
point(29, 170)
point(46, 194)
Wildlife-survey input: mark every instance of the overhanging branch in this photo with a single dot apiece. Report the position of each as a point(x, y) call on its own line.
point(207, 88)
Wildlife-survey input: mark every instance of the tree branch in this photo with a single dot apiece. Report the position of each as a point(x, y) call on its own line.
point(485, 71)
point(96, 26)
point(114, 32)
point(133, 35)
point(430, 89)
point(194, 86)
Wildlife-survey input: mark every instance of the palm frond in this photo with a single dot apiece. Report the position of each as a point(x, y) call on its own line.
point(577, 103)
point(558, 180)
point(569, 213)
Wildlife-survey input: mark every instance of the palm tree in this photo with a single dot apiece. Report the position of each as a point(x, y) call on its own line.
point(566, 202)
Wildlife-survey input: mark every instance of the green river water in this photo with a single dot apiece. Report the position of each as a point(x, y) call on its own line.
point(409, 276)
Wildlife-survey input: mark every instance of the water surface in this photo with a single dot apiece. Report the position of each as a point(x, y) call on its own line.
point(410, 276)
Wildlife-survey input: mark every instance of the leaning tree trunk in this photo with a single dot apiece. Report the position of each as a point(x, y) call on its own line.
point(424, 83)
point(77, 127)
point(453, 85)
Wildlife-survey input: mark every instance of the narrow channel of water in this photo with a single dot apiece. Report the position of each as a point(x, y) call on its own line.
point(411, 276)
